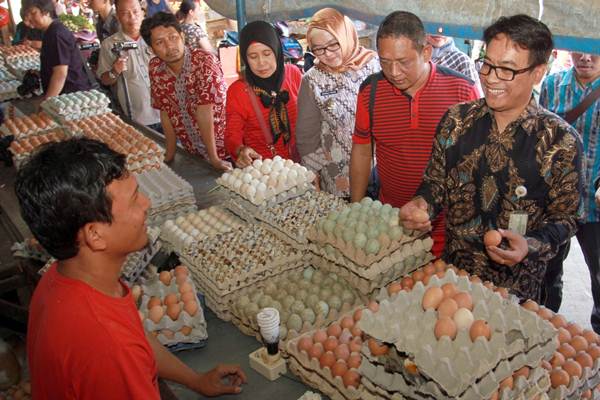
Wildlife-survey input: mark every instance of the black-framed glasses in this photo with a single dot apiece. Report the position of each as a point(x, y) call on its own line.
point(319, 51)
point(502, 73)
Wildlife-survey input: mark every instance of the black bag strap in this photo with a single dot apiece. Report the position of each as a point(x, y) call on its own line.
point(91, 78)
point(375, 79)
point(576, 112)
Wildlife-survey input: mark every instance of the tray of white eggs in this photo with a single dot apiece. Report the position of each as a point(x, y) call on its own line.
point(71, 106)
point(269, 181)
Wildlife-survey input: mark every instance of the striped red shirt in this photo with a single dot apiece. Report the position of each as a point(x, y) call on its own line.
point(404, 128)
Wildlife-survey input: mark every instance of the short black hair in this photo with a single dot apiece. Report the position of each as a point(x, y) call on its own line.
point(63, 187)
point(161, 18)
point(45, 6)
point(527, 32)
point(185, 7)
point(403, 23)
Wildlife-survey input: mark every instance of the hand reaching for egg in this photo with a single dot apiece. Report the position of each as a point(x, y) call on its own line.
point(515, 252)
point(223, 379)
point(245, 157)
point(414, 215)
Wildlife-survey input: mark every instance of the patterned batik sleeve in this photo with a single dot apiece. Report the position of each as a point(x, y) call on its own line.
point(562, 165)
point(433, 187)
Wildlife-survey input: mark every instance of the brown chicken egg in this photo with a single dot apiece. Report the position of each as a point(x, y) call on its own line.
point(559, 377)
point(492, 238)
point(432, 298)
point(351, 378)
point(445, 327)
point(480, 328)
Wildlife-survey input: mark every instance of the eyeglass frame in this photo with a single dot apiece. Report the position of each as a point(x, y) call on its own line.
point(322, 50)
point(494, 68)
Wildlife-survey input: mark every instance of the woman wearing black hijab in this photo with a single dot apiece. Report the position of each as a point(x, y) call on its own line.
point(261, 107)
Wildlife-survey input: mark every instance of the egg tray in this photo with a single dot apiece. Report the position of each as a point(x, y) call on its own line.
point(310, 372)
point(187, 232)
point(310, 396)
point(76, 105)
point(519, 338)
point(235, 259)
point(292, 219)
point(8, 90)
point(368, 286)
point(34, 124)
point(137, 262)
point(354, 255)
point(374, 271)
point(23, 148)
point(220, 303)
point(243, 207)
point(197, 322)
point(250, 327)
point(589, 380)
point(533, 387)
point(6, 75)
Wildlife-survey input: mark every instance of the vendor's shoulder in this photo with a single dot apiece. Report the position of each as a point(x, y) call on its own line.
point(466, 108)
point(237, 86)
point(369, 80)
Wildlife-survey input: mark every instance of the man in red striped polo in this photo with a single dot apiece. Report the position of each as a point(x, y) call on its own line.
point(411, 97)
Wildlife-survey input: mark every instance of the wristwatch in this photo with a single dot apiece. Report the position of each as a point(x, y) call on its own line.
point(111, 74)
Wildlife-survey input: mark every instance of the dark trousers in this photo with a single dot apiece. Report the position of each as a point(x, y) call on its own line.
point(553, 284)
point(588, 236)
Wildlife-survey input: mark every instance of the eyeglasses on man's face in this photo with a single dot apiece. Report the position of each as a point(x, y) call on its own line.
point(319, 51)
point(502, 73)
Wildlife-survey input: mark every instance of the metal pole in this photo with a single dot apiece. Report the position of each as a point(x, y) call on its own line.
point(240, 10)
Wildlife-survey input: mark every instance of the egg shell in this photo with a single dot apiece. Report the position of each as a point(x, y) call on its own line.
point(463, 318)
point(181, 270)
point(334, 330)
point(567, 350)
point(492, 238)
point(464, 300)
point(354, 360)
point(339, 368)
point(327, 359)
point(557, 359)
point(531, 306)
point(154, 301)
point(377, 349)
point(342, 352)
point(574, 328)
point(447, 308)
point(579, 343)
point(173, 311)
point(330, 343)
point(445, 327)
point(305, 343)
point(186, 330)
point(191, 307)
point(347, 322)
point(594, 351)
point(449, 289)
point(480, 328)
point(355, 345)
point(357, 315)
point(351, 378)
point(373, 306)
point(316, 351)
point(155, 314)
point(320, 336)
point(165, 277)
point(394, 288)
point(420, 216)
point(407, 282)
point(185, 287)
point(584, 359)
point(572, 368)
point(432, 298)
point(171, 298)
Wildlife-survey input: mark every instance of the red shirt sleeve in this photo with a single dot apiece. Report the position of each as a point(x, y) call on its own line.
point(236, 116)
point(362, 132)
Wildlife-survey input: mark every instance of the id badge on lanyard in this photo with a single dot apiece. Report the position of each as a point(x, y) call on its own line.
point(517, 220)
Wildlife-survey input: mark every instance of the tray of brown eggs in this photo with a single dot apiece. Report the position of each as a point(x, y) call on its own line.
point(8, 52)
point(329, 358)
point(169, 307)
point(22, 148)
point(142, 153)
point(21, 127)
point(451, 338)
point(574, 367)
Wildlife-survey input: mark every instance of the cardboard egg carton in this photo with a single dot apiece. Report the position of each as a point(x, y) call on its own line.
point(21, 127)
point(307, 283)
point(460, 367)
point(292, 219)
point(137, 262)
point(590, 379)
point(268, 182)
point(155, 287)
point(6, 75)
point(187, 232)
point(76, 105)
point(377, 223)
point(170, 195)
point(378, 276)
point(312, 374)
point(219, 301)
point(23, 148)
point(377, 383)
point(8, 90)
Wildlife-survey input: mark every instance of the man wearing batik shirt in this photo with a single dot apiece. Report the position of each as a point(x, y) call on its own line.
point(561, 93)
point(500, 157)
point(188, 88)
point(446, 54)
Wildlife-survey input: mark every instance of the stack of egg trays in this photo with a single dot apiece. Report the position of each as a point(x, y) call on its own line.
point(21, 158)
point(136, 263)
point(590, 379)
point(220, 303)
point(8, 90)
point(290, 221)
point(314, 376)
point(171, 195)
point(456, 368)
point(403, 261)
point(52, 106)
point(246, 209)
point(238, 251)
point(250, 327)
point(5, 131)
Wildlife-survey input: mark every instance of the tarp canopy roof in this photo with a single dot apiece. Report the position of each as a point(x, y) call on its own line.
point(574, 23)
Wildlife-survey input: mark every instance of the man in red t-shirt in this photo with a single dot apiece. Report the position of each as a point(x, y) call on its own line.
point(85, 339)
point(188, 88)
point(411, 96)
